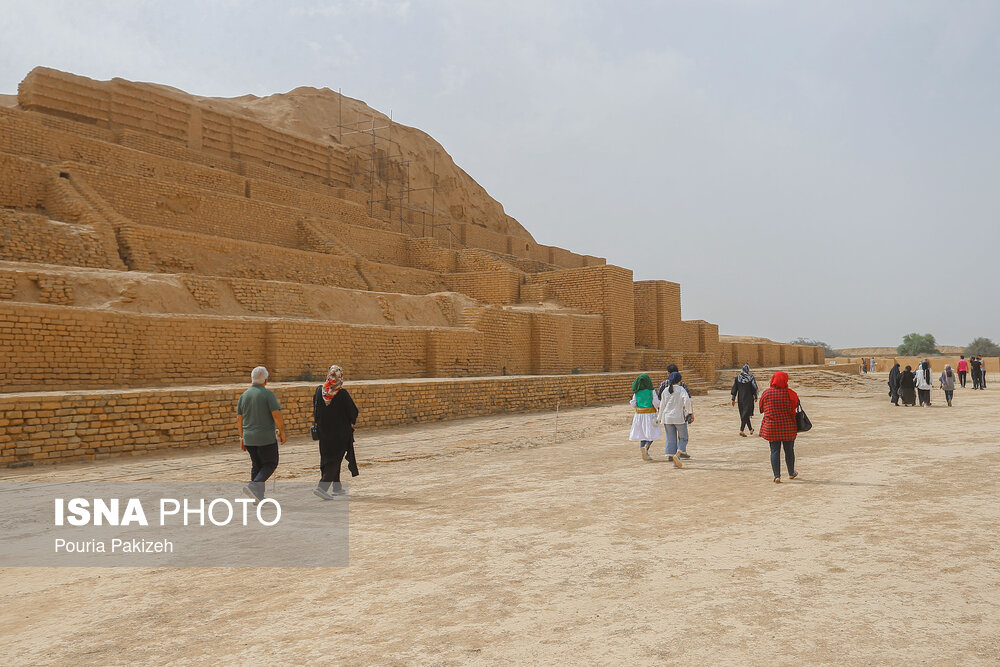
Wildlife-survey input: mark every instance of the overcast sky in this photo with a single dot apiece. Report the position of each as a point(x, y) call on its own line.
point(818, 169)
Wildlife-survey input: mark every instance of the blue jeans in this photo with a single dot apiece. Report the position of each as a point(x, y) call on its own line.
point(645, 443)
point(677, 438)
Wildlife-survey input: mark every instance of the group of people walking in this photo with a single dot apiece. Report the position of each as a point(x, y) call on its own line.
point(671, 408)
point(666, 410)
point(261, 428)
point(978, 367)
point(915, 387)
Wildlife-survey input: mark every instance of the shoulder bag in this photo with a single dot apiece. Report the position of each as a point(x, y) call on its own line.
point(802, 423)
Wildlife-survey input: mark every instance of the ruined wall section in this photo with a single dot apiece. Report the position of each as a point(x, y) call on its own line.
point(179, 118)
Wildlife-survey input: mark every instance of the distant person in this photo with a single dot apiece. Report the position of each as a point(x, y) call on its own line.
point(676, 412)
point(908, 386)
point(864, 366)
point(335, 415)
point(963, 370)
point(924, 384)
point(645, 428)
point(976, 368)
point(872, 365)
point(778, 425)
point(982, 372)
point(894, 375)
point(947, 383)
point(745, 393)
point(258, 415)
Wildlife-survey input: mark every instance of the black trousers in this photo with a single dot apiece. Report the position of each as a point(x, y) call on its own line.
point(331, 456)
point(924, 396)
point(977, 379)
point(745, 422)
point(961, 377)
point(894, 395)
point(263, 463)
point(789, 446)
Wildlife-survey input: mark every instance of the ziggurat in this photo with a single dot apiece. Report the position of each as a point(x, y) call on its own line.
point(153, 249)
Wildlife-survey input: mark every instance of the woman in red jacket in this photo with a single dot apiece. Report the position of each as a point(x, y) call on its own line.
point(777, 404)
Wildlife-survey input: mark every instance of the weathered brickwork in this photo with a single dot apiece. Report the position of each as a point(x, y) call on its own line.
point(41, 428)
point(497, 287)
point(27, 237)
point(605, 290)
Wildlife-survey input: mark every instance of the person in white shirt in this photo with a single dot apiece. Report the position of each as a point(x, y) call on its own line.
point(924, 384)
point(675, 415)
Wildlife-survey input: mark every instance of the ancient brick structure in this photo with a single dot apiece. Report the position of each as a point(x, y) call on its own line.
point(148, 240)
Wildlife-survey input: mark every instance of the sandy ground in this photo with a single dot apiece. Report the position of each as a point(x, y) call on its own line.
point(506, 541)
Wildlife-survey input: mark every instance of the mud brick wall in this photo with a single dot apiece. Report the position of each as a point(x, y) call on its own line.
point(588, 343)
point(480, 237)
point(476, 259)
point(550, 351)
point(648, 326)
point(506, 338)
point(87, 425)
point(29, 134)
point(565, 259)
point(456, 353)
point(658, 321)
point(372, 244)
point(123, 104)
point(52, 346)
point(708, 339)
point(770, 354)
point(527, 249)
point(300, 347)
point(605, 290)
point(389, 278)
point(430, 255)
point(23, 183)
point(184, 208)
point(327, 206)
point(168, 251)
point(28, 237)
point(746, 353)
point(499, 287)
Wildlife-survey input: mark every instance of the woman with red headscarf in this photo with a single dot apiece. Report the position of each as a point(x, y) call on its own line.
point(778, 427)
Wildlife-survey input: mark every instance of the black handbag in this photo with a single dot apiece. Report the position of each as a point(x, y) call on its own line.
point(802, 423)
point(314, 432)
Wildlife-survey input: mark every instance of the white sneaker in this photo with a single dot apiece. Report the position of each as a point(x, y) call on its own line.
point(322, 494)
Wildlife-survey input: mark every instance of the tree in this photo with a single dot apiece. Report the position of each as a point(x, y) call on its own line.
point(815, 343)
point(982, 347)
point(915, 344)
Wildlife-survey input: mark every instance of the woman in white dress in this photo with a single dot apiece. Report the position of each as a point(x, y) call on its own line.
point(644, 427)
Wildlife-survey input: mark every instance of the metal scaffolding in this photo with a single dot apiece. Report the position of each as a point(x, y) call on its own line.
point(387, 176)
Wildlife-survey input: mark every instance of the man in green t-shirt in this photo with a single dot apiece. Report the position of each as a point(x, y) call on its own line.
point(258, 415)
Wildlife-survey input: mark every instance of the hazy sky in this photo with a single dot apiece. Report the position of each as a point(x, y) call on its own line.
point(802, 168)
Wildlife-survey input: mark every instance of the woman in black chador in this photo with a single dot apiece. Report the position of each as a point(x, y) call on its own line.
point(894, 384)
point(335, 414)
point(907, 386)
point(745, 393)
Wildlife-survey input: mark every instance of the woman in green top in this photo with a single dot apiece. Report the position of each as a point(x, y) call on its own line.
point(644, 427)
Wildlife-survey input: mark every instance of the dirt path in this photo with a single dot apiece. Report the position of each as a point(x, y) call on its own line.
point(521, 550)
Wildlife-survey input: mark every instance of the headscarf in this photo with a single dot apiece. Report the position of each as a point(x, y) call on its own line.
point(947, 370)
point(640, 383)
point(780, 380)
point(674, 378)
point(334, 381)
point(745, 375)
point(927, 371)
